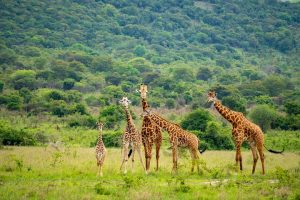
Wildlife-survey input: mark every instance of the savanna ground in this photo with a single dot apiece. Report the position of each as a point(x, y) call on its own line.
point(45, 173)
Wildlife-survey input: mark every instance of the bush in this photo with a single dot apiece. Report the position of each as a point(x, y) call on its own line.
point(81, 120)
point(10, 135)
point(1, 86)
point(196, 120)
point(24, 78)
point(263, 115)
point(215, 137)
point(235, 103)
point(112, 115)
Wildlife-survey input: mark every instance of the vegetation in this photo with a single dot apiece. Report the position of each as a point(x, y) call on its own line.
point(39, 173)
point(65, 64)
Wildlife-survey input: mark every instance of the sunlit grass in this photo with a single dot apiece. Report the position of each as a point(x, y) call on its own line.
point(44, 173)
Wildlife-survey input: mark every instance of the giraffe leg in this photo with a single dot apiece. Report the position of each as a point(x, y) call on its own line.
point(254, 154)
point(193, 160)
point(140, 155)
point(262, 156)
point(174, 170)
point(100, 170)
point(132, 159)
point(148, 155)
point(125, 158)
point(157, 155)
point(238, 157)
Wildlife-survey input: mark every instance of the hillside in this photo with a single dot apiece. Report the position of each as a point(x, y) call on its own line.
point(70, 59)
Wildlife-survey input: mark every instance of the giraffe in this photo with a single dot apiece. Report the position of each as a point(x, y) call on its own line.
point(130, 137)
point(100, 149)
point(243, 130)
point(151, 133)
point(178, 138)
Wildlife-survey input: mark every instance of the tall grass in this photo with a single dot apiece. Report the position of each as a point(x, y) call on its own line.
point(45, 173)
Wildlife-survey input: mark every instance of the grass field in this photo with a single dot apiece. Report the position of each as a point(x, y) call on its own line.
point(44, 173)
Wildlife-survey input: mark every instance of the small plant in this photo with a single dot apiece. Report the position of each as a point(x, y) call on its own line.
point(19, 163)
point(56, 158)
point(182, 187)
point(100, 189)
point(216, 172)
point(283, 175)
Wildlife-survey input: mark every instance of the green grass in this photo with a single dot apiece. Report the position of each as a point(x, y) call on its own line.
point(44, 173)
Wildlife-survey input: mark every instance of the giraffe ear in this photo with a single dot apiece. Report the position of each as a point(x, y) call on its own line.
point(129, 102)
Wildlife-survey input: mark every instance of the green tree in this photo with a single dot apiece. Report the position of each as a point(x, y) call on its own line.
point(196, 120)
point(263, 115)
point(24, 78)
point(68, 84)
point(1, 86)
point(140, 50)
point(102, 63)
point(183, 73)
point(235, 103)
point(112, 115)
point(204, 74)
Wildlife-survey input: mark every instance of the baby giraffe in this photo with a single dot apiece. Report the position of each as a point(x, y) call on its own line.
point(131, 137)
point(100, 150)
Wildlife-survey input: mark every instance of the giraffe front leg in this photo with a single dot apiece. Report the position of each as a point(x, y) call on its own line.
point(100, 170)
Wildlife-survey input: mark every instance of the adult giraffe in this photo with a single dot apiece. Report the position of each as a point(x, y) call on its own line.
point(178, 138)
point(151, 133)
point(242, 130)
point(130, 137)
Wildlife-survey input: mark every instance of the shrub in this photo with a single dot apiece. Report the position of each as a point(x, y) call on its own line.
point(263, 115)
point(81, 120)
point(215, 137)
point(24, 78)
point(10, 135)
point(112, 115)
point(1, 86)
point(196, 120)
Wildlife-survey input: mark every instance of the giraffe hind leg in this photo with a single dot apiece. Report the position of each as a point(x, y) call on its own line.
point(262, 157)
point(255, 156)
point(157, 155)
point(132, 159)
point(141, 160)
point(238, 157)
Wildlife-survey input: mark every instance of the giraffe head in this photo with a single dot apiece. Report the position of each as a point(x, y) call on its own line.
point(100, 125)
point(125, 102)
point(143, 90)
point(211, 96)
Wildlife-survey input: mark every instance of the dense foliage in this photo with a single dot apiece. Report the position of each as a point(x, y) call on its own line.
point(76, 59)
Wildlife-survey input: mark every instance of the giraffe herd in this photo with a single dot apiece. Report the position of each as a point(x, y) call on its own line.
point(153, 123)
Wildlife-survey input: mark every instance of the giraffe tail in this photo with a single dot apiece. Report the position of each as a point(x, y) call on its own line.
point(130, 152)
point(202, 151)
point(273, 151)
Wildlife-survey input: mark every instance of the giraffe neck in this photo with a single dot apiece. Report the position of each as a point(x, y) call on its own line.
point(145, 104)
point(164, 124)
point(100, 134)
point(128, 117)
point(224, 111)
